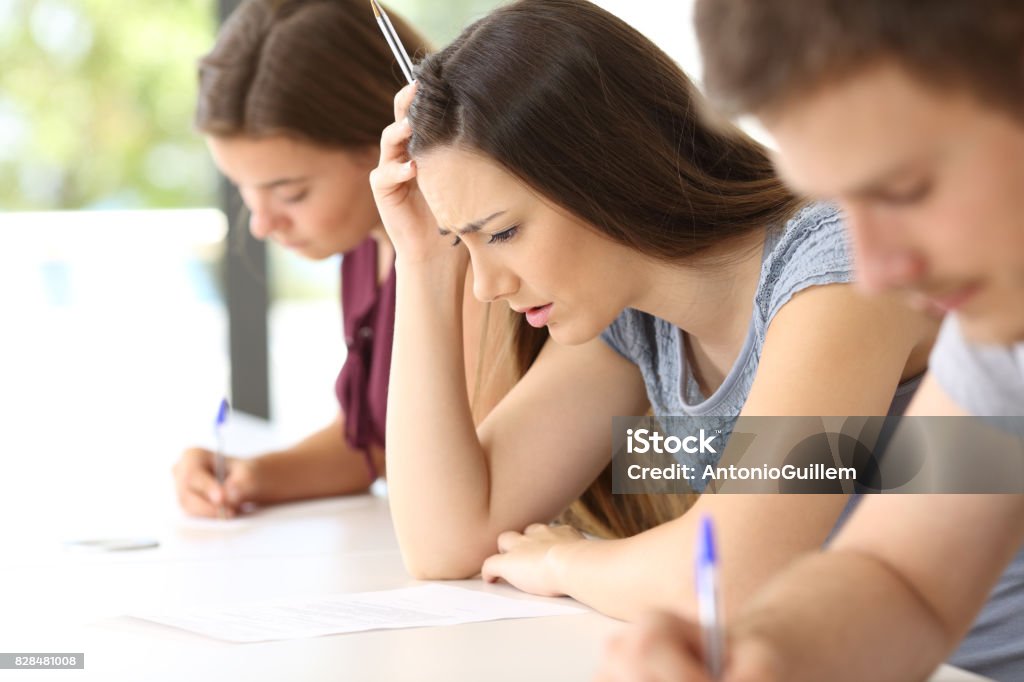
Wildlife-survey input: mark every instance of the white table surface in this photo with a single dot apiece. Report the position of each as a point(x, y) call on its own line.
point(71, 602)
point(53, 600)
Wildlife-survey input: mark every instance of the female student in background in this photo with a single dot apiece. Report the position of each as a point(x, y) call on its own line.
point(561, 152)
point(292, 99)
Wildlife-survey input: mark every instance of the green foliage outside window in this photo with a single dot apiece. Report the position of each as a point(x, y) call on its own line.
point(96, 99)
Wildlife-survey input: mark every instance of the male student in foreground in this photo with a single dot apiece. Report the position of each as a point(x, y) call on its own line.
point(910, 115)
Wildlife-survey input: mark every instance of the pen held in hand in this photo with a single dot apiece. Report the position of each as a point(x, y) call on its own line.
point(709, 603)
point(219, 469)
point(391, 36)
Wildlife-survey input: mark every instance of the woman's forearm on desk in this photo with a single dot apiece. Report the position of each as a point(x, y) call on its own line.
point(321, 465)
point(760, 534)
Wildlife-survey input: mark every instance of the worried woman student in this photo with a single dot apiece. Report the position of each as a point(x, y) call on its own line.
point(564, 155)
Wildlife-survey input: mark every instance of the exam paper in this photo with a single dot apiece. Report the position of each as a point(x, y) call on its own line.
point(409, 607)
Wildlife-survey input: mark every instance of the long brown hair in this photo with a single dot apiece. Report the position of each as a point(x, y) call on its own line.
point(319, 70)
point(593, 116)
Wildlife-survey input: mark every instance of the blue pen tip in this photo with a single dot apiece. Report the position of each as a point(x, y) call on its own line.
point(222, 412)
point(707, 541)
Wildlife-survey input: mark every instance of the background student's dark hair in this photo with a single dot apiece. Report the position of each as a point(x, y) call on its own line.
point(592, 115)
point(318, 70)
point(315, 70)
point(761, 54)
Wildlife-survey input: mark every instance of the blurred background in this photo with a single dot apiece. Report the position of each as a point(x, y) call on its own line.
point(114, 307)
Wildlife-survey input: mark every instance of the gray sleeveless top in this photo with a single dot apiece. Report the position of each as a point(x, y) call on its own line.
point(810, 250)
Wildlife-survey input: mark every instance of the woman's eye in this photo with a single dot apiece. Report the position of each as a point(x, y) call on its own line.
point(296, 198)
point(504, 235)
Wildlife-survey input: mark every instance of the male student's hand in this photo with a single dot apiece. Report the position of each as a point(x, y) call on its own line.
point(197, 488)
point(663, 647)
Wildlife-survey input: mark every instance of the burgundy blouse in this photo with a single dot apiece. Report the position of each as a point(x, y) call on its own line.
point(368, 312)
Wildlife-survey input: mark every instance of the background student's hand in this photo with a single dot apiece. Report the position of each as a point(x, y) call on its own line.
point(403, 209)
point(663, 647)
point(197, 488)
point(527, 561)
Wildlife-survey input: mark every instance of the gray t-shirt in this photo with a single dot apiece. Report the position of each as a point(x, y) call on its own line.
point(988, 381)
point(809, 250)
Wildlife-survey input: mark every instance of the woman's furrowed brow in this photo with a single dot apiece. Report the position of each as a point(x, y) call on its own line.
point(474, 226)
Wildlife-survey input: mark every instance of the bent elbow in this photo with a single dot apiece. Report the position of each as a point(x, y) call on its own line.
point(439, 567)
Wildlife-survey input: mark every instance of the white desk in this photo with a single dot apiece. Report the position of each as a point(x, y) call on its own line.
point(71, 603)
point(52, 600)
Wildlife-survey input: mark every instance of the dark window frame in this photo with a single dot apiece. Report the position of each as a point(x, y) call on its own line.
point(247, 297)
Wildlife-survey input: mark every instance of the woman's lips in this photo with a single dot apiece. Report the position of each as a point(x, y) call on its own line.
point(538, 316)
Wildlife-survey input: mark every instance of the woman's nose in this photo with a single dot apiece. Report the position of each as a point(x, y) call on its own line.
point(261, 221)
point(492, 282)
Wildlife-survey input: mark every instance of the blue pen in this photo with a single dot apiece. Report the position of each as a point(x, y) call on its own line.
point(709, 603)
point(218, 455)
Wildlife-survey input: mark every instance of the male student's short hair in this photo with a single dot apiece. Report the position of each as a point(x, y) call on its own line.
point(761, 55)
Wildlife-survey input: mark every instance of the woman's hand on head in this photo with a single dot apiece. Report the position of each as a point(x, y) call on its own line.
point(403, 209)
point(197, 488)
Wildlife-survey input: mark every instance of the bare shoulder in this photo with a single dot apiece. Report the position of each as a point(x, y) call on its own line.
point(832, 350)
